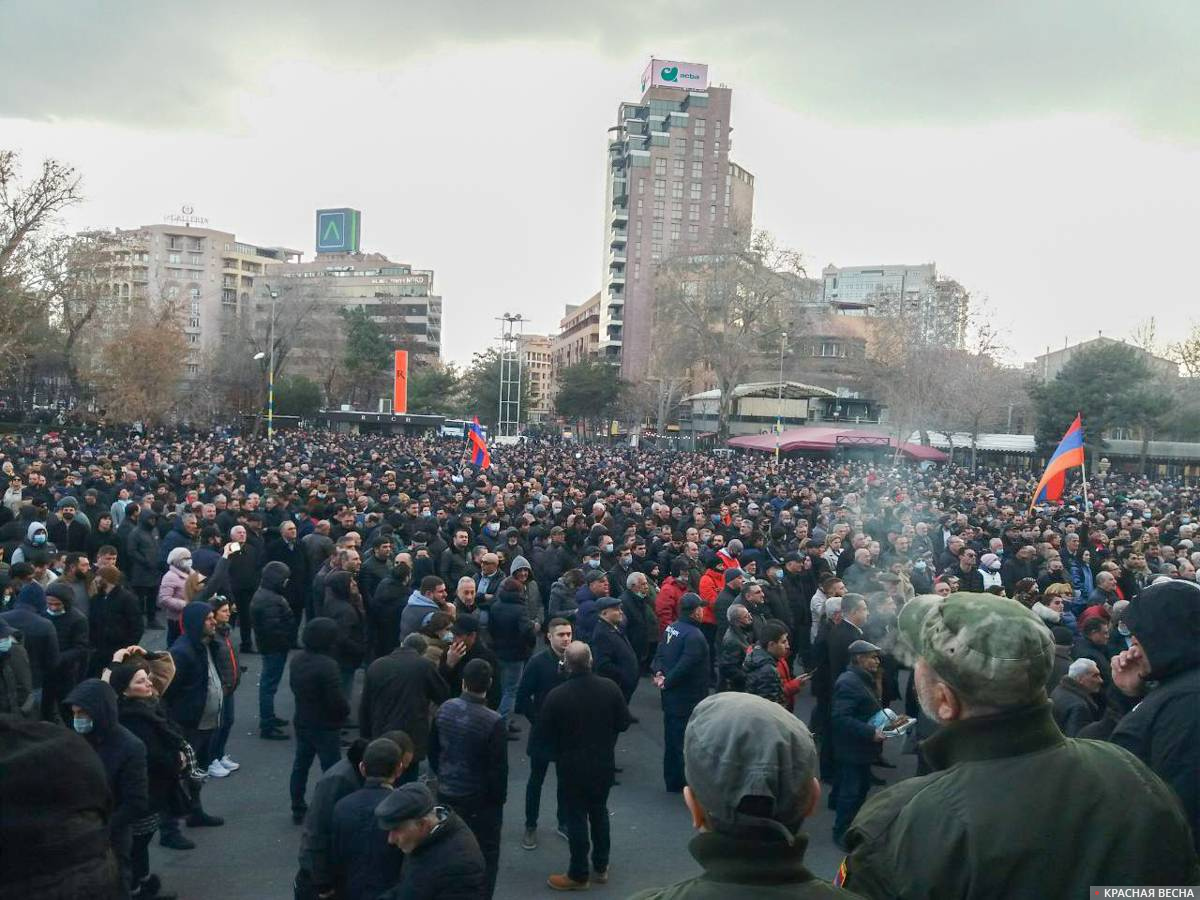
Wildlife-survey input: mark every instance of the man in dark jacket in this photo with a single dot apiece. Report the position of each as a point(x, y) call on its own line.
point(385, 607)
point(641, 626)
point(274, 627)
point(365, 865)
point(245, 568)
point(595, 587)
point(581, 719)
point(344, 605)
point(855, 613)
point(94, 711)
point(466, 647)
point(115, 617)
point(455, 561)
point(751, 769)
point(543, 673)
point(682, 672)
point(397, 693)
point(855, 735)
point(1075, 697)
point(739, 638)
point(40, 639)
point(74, 645)
point(1163, 730)
point(513, 636)
point(612, 656)
point(16, 682)
point(442, 858)
point(143, 552)
point(321, 707)
point(288, 551)
point(980, 668)
point(468, 751)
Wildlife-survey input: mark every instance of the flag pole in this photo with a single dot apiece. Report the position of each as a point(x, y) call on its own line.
point(1087, 510)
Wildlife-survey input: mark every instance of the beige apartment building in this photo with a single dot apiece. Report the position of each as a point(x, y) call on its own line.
point(537, 362)
point(578, 334)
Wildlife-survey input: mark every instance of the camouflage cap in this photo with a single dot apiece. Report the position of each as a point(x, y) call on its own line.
point(991, 649)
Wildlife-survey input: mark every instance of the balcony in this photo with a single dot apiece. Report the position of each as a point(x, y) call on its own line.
point(616, 258)
point(617, 238)
point(615, 278)
point(620, 216)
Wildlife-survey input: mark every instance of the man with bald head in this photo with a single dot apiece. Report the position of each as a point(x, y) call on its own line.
point(580, 720)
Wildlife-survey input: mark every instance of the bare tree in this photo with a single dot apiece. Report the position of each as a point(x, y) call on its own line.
point(139, 367)
point(1145, 336)
point(1187, 353)
point(720, 307)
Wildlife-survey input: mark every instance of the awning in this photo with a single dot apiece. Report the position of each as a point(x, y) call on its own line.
point(826, 440)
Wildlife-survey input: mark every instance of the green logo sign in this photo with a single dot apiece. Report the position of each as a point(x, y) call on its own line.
point(332, 235)
point(670, 73)
point(338, 230)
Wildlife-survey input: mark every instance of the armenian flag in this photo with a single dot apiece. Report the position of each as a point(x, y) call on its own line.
point(1069, 455)
point(479, 449)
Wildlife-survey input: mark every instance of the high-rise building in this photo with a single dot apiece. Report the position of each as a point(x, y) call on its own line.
point(209, 275)
point(537, 365)
point(670, 187)
point(578, 334)
point(941, 304)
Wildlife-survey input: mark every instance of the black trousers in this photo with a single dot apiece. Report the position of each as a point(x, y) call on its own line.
point(533, 794)
point(851, 783)
point(674, 726)
point(485, 820)
point(587, 814)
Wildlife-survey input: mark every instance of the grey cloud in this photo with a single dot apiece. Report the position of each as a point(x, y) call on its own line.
point(173, 64)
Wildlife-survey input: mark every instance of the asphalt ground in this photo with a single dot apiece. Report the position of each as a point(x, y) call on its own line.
point(254, 855)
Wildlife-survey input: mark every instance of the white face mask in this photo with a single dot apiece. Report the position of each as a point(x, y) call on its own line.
point(184, 565)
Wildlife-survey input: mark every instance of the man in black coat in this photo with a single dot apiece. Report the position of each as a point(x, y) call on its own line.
point(365, 864)
point(274, 627)
point(397, 693)
point(854, 736)
point(844, 633)
point(466, 647)
point(543, 673)
point(641, 625)
point(582, 719)
point(385, 606)
point(27, 615)
point(321, 707)
point(682, 671)
point(288, 551)
point(1163, 730)
point(612, 657)
point(74, 645)
point(442, 857)
point(1075, 697)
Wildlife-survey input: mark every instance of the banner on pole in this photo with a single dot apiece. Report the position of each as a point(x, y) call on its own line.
point(400, 383)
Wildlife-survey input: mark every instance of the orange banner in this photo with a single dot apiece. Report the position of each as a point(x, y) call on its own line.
point(400, 383)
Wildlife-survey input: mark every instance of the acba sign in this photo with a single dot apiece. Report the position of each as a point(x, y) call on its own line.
point(671, 73)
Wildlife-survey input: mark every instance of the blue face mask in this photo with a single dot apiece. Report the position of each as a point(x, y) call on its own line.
point(38, 539)
point(6, 644)
point(779, 576)
point(82, 724)
point(593, 563)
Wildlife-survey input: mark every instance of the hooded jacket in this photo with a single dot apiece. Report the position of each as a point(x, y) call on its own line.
point(188, 693)
point(1163, 731)
point(415, 611)
point(384, 611)
point(315, 680)
point(28, 547)
point(148, 722)
point(350, 618)
point(270, 612)
point(562, 599)
point(533, 593)
point(512, 631)
point(143, 553)
point(16, 682)
point(74, 644)
point(121, 753)
point(28, 616)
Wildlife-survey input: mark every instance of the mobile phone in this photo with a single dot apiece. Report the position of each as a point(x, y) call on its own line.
point(234, 546)
point(813, 671)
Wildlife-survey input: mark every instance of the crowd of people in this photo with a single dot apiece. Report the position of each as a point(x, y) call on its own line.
point(1043, 665)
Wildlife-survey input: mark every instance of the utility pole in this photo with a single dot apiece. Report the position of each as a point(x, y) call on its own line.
point(779, 400)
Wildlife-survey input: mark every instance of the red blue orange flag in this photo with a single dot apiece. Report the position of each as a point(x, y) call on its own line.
point(479, 448)
point(1069, 455)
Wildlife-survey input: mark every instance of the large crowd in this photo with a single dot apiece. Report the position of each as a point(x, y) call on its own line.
point(1043, 664)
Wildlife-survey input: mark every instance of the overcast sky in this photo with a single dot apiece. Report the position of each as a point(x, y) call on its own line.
point(1045, 154)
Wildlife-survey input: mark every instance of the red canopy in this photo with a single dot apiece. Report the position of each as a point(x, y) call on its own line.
point(826, 440)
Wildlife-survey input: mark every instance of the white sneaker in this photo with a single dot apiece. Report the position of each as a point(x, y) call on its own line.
point(216, 770)
point(229, 764)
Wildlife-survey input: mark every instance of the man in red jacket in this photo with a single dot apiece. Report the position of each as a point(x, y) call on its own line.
point(666, 604)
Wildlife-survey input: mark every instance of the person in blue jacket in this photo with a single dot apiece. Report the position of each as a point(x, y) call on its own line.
point(682, 672)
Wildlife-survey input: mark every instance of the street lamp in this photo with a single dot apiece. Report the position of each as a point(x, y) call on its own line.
point(270, 368)
point(779, 400)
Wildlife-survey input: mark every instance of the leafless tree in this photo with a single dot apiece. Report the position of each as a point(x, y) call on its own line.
point(1186, 352)
point(139, 367)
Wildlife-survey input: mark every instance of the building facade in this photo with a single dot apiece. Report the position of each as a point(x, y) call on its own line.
point(537, 364)
point(940, 304)
point(670, 186)
point(578, 334)
point(1050, 363)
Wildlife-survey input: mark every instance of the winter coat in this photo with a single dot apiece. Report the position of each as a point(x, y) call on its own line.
point(418, 607)
point(74, 646)
point(562, 600)
point(512, 631)
point(191, 652)
point(300, 579)
point(666, 604)
point(762, 675)
point(682, 658)
point(1074, 707)
point(397, 693)
point(581, 719)
point(364, 863)
point(453, 676)
point(542, 674)
point(116, 621)
point(350, 617)
point(226, 660)
point(315, 680)
point(163, 741)
point(171, 596)
point(854, 703)
point(641, 627)
point(338, 781)
point(731, 658)
point(468, 751)
point(121, 753)
point(447, 865)
point(453, 565)
point(175, 538)
point(383, 614)
point(28, 616)
point(973, 815)
point(614, 658)
point(16, 683)
point(1163, 730)
point(143, 551)
point(28, 547)
point(270, 612)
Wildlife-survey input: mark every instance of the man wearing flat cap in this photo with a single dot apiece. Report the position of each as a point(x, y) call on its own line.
point(1005, 783)
point(442, 857)
point(751, 782)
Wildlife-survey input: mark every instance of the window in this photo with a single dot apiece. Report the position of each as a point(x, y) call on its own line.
point(712, 194)
point(660, 187)
point(830, 349)
point(194, 322)
point(712, 214)
point(194, 292)
point(679, 146)
point(694, 212)
point(656, 231)
point(174, 258)
point(637, 271)
point(656, 252)
point(641, 185)
point(193, 368)
point(693, 232)
point(699, 127)
point(697, 149)
point(677, 190)
point(659, 208)
point(697, 170)
point(716, 149)
point(637, 228)
point(196, 259)
point(695, 191)
point(675, 231)
point(677, 168)
point(718, 129)
point(676, 209)
point(660, 167)
point(639, 209)
point(193, 338)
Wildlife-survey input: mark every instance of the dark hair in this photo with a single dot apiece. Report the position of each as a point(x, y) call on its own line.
point(436, 624)
point(430, 583)
point(381, 758)
point(1091, 626)
point(107, 550)
point(772, 631)
point(400, 739)
point(477, 676)
point(558, 622)
point(73, 558)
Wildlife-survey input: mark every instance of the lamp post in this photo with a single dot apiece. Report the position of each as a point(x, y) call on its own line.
point(270, 367)
point(779, 399)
